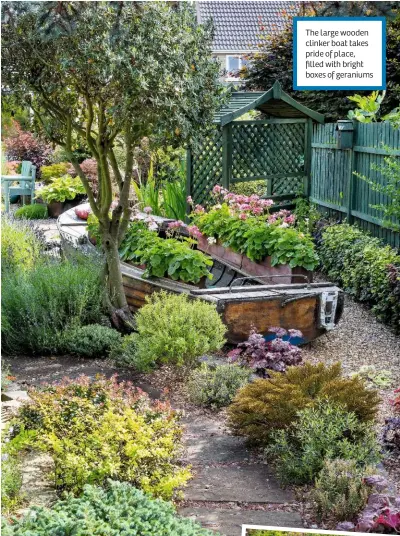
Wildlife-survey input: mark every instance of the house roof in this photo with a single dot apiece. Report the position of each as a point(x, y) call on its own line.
point(274, 102)
point(239, 25)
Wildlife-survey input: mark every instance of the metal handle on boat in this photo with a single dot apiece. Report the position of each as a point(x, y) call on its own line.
point(270, 277)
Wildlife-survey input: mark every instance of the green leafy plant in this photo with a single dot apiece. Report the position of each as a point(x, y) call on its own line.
point(174, 198)
point(216, 387)
point(167, 198)
point(54, 171)
point(307, 215)
point(94, 229)
point(38, 305)
point(368, 107)
point(325, 431)
point(11, 482)
point(340, 491)
point(245, 225)
point(93, 340)
point(271, 404)
point(95, 430)
point(62, 189)
point(5, 377)
point(31, 212)
point(249, 188)
point(175, 330)
point(21, 246)
point(378, 378)
point(148, 193)
point(164, 257)
point(365, 268)
point(390, 171)
point(118, 509)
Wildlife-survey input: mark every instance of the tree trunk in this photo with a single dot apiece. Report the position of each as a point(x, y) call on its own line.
point(121, 315)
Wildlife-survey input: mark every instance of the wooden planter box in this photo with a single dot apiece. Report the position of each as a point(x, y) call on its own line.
point(257, 269)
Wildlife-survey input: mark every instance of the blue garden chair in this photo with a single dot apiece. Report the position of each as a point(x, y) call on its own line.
point(25, 184)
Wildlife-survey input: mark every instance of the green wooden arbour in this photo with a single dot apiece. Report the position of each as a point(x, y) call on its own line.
point(276, 148)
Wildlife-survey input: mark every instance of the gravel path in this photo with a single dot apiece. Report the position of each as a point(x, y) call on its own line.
point(359, 340)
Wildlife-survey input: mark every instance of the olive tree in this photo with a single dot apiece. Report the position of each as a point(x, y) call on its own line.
point(98, 72)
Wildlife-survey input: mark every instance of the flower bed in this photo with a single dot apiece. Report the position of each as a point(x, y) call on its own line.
point(242, 231)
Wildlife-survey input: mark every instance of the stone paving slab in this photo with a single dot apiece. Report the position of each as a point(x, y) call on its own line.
point(229, 522)
point(38, 370)
point(216, 449)
point(233, 483)
point(201, 425)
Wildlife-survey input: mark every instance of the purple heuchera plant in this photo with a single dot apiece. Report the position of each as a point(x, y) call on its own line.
point(382, 513)
point(261, 355)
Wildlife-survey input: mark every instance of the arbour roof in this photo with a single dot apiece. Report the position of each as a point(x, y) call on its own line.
point(274, 102)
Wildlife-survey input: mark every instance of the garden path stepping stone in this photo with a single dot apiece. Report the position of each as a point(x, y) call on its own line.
point(227, 473)
point(37, 478)
point(216, 449)
point(229, 522)
point(201, 425)
point(248, 483)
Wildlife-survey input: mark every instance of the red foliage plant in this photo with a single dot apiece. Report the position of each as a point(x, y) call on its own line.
point(89, 168)
point(396, 401)
point(25, 146)
point(261, 355)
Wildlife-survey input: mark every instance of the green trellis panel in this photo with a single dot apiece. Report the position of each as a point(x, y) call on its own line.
point(276, 151)
point(335, 187)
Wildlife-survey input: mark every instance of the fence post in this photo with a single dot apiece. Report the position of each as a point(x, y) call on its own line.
point(351, 178)
point(226, 155)
point(307, 157)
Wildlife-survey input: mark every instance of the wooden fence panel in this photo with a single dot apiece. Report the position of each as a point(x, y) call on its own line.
point(338, 190)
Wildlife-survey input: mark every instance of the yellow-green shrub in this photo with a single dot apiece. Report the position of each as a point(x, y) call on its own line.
point(20, 246)
point(47, 173)
point(102, 429)
point(173, 329)
point(271, 404)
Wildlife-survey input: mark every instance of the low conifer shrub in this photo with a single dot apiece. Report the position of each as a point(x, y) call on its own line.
point(120, 509)
point(271, 404)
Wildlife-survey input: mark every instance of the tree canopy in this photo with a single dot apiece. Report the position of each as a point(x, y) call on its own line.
point(109, 73)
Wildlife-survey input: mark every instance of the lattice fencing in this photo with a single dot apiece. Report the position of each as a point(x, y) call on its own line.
point(205, 168)
point(274, 152)
point(244, 151)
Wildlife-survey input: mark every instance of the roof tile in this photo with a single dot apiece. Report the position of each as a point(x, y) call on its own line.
point(240, 25)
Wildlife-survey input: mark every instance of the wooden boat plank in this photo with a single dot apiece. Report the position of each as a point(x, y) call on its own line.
point(256, 288)
point(262, 315)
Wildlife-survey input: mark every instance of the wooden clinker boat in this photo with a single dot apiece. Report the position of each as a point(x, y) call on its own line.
point(244, 302)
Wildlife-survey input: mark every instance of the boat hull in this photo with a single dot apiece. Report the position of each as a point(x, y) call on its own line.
point(242, 309)
point(244, 302)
